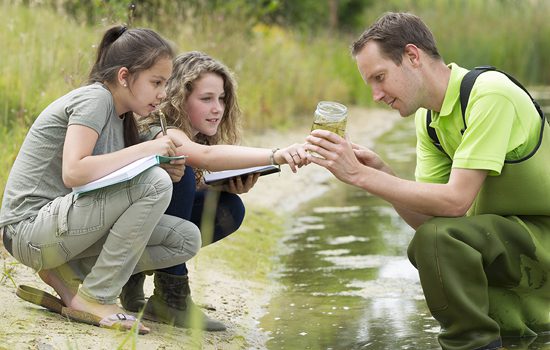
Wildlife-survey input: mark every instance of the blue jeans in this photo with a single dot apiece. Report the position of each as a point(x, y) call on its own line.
point(215, 221)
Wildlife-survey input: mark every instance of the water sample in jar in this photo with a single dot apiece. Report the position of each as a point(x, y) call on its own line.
point(331, 116)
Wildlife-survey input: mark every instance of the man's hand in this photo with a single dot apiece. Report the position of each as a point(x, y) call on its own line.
point(369, 158)
point(337, 154)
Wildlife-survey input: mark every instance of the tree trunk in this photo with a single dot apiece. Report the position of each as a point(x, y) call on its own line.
point(333, 14)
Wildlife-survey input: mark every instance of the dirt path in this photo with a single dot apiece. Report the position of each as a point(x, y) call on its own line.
point(239, 302)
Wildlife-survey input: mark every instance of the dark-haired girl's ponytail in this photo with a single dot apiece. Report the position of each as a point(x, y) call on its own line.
point(110, 36)
point(131, 133)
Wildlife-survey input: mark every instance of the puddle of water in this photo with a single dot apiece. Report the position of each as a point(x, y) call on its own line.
point(347, 281)
point(348, 284)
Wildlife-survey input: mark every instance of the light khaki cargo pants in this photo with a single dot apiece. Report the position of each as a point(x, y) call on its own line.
point(121, 229)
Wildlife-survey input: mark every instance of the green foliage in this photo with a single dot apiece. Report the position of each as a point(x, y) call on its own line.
point(158, 12)
point(279, 75)
point(91, 11)
point(282, 74)
point(513, 35)
point(314, 15)
point(283, 69)
point(41, 64)
point(12, 138)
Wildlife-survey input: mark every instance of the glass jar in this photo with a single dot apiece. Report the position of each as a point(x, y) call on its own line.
point(331, 116)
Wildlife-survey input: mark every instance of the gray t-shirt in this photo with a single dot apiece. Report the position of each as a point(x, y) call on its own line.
point(35, 178)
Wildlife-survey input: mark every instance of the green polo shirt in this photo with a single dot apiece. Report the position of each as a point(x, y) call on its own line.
point(502, 123)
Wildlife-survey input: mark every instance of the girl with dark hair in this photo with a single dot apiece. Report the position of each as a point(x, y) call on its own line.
point(99, 238)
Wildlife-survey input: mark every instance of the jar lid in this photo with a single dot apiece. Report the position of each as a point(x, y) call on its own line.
point(331, 109)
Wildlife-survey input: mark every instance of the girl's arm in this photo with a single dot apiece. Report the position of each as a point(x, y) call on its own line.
point(224, 157)
point(80, 166)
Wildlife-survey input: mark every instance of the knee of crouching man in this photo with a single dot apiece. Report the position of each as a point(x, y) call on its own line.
point(423, 240)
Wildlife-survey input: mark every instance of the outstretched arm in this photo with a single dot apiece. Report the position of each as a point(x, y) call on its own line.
point(224, 157)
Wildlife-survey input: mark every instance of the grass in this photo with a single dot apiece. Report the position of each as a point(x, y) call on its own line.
point(8, 272)
point(41, 64)
point(513, 35)
point(278, 71)
point(279, 77)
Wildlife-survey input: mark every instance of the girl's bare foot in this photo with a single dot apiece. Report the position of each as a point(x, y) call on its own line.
point(74, 301)
point(71, 298)
point(111, 314)
point(65, 292)
point(100, 310)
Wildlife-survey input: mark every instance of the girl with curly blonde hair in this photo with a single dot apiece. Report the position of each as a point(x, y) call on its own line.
point(204, 117)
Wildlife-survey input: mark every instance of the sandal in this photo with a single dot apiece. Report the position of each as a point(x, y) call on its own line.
point(40, 298)
point(119, 321)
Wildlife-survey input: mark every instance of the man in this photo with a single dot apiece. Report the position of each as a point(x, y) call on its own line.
point(482, 253)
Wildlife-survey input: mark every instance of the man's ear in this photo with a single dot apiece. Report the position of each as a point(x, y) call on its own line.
point(122, 76)
point(411, 53)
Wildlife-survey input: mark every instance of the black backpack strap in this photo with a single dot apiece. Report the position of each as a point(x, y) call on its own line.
point(468, 82)
point(465, 89)
point(537, 105)
point(432, 133)
point(466, 86)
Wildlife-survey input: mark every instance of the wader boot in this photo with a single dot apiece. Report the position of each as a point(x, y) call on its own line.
point(171, 303)
point(484, 277)
point(131, 296)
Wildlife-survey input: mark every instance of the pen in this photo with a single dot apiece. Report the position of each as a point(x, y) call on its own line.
point(162, 122)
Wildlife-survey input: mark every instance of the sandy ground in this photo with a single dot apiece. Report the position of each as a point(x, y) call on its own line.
point(238, 302)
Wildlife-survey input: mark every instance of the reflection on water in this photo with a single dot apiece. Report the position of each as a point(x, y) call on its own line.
point(347, 281)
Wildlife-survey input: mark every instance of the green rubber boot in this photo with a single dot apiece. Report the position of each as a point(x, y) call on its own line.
point(132, 297)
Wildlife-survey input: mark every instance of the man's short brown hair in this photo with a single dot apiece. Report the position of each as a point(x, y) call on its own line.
point(393, 31)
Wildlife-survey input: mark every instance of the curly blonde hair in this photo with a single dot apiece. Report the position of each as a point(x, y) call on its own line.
point(187, 69)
